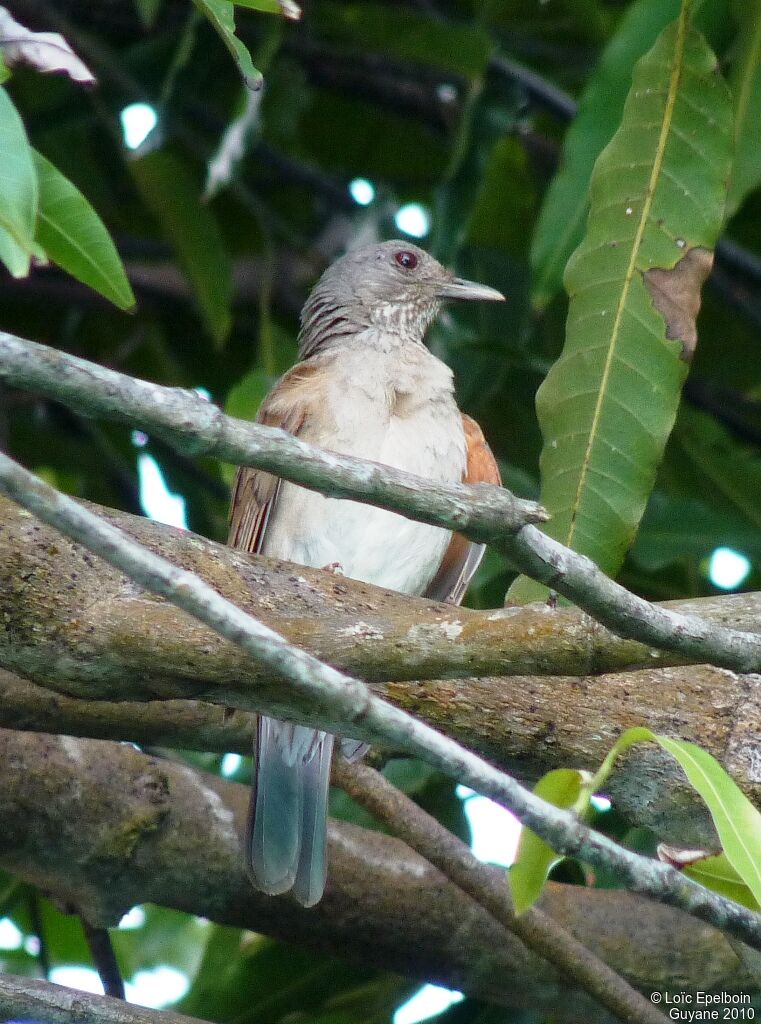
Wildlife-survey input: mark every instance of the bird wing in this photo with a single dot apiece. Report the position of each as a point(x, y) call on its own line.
point(288, 406)
point(286, 831)
point(462, 557)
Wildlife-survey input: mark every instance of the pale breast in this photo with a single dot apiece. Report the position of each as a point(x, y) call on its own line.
point(400, 415)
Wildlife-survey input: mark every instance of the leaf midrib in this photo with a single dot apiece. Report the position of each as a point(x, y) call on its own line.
point(722, 804)
point(655, 173)
point(87, 257)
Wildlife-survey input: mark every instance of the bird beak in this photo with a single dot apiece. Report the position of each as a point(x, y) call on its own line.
point(459, 288)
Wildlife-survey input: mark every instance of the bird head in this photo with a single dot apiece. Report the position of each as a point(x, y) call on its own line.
point(393, 286)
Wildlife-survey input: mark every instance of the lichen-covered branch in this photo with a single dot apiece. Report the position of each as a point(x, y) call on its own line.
point(122, 822)
point(352, 699)
point(483, 513)
point(30, 999)
point(195, 426)
point(128, 666)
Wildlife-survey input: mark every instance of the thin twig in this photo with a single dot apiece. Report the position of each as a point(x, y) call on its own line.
point(104, 958)
point(541, 91)
point(195, 426)
point(33, 906)
point(356, 704)
point(483, 513)
point(451, 856)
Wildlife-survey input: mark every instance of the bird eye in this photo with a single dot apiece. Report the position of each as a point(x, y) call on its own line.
point(406, 259)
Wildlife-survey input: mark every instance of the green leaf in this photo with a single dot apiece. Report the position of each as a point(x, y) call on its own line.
point(717, 873)
point(221, 13)
point(173, 196)
point(608, 405)
point(737, 821)
point(265, 6)
point(18, 178)
point(535, 859)
point(244, 399)
point(167, 936)
point(501, 216)
point(16, 258)
point(560, 225)
point(675, 529)
point(724, 468)
point(148, 11)
point(406, 35)
point(745, 82)
point(73, 236)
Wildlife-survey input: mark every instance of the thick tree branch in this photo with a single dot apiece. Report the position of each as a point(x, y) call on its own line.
point(100, 659)
point(355, 626)
point(29, 999)
point(352, 698)
point(102, 827)
point(483, 513)
point(453, 858)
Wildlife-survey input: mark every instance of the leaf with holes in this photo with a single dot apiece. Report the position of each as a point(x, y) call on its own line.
point(608, 405)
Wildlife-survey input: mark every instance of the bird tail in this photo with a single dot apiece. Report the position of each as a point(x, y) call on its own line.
point(287, 823)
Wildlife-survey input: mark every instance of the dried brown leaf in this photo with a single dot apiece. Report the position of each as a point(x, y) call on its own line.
point(676, 295)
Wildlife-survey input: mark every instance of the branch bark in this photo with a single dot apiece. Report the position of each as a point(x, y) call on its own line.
point(30, 999)
point(351, 698)
point(483, 513)
point(126, 666)
point(535, 929)
point(102, 827)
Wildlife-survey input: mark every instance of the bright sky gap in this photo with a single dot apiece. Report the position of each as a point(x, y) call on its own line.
point(138, 121)
point(413, 219)
point(362, 191)
point(156, 499)
point(728, 569)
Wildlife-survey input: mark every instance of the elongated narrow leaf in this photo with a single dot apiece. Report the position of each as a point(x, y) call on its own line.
point(737, 821)
point(172, 195)
point(16, 258)
point(264, 6)
point(560, 226)
point(675, 529)
point(148, 11)
point(18, 178)
point(73, 236)
point(406, 34)
point(745, 83)
point(221, 13)
point(535, 858)
point(717, 873)
point(720, 466)
point(608, 405)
